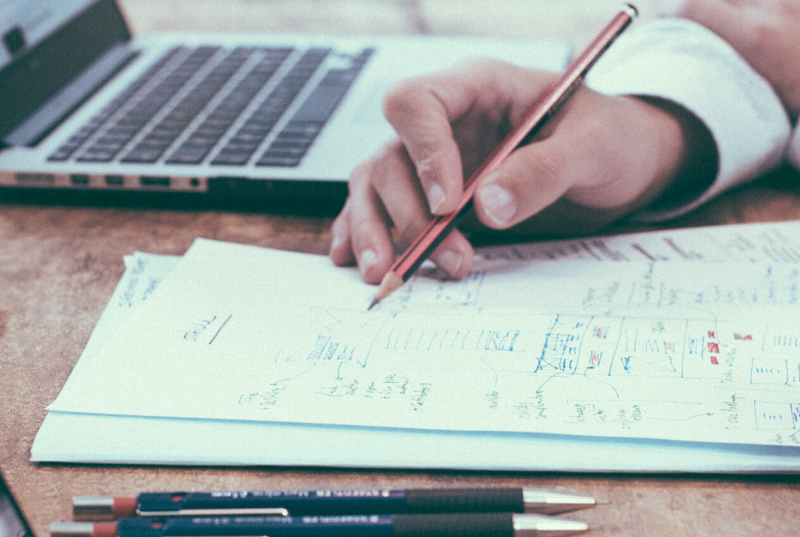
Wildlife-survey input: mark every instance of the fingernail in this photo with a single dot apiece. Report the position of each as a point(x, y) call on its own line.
point(367, 259)
point(435, 197)
point(450, 262)
point(336, 241)
point(499, 205)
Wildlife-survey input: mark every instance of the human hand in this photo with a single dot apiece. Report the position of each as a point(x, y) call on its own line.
point(598, 159)
point(766, 33)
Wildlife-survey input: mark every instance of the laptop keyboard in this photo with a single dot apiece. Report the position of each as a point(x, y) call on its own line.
point(174, 115)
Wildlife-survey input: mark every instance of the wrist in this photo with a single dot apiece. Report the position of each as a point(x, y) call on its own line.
point(695, 169)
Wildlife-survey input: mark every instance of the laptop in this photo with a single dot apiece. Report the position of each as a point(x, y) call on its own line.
point(12, 522)
point(86, 107)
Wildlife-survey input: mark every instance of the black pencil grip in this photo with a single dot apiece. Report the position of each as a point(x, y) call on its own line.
point(475, 500)
point(454, 525)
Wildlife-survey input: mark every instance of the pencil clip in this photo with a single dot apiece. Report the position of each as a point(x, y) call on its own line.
point(245, 511)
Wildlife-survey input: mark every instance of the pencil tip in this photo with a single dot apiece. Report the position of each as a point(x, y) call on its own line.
point(389, 283)
point(596, 527)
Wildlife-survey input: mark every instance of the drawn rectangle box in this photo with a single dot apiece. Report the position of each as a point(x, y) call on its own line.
point(769, 371)
point(776, 416)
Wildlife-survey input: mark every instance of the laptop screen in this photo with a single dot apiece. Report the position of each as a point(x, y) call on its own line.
point(24, 23)
point(46, 43)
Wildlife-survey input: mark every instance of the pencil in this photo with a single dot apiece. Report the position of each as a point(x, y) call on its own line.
point(545, 107)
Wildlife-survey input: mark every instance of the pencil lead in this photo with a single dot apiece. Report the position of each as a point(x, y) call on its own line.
point(388, 285)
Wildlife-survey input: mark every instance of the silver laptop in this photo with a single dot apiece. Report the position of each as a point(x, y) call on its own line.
point(84, 106)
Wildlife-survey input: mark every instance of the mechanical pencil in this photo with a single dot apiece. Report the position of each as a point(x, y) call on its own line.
point(331, 502)
point(439, 525)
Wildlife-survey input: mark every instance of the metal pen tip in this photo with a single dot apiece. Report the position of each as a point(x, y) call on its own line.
point(552, 502)
point(71, 529)
point(530, 525)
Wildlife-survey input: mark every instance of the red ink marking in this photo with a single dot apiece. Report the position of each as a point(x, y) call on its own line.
point(601, 332)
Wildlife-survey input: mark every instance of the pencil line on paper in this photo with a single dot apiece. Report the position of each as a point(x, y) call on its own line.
point(220, 328)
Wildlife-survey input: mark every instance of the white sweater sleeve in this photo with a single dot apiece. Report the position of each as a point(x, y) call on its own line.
point(683, 62)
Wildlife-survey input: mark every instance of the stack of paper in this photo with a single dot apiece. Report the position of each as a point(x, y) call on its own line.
point(672, 351)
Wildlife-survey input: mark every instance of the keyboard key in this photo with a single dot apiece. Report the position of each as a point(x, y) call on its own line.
point(231, 157)
point(278, 159)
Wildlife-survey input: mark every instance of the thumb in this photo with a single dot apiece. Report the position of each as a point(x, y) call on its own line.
point(531, 178)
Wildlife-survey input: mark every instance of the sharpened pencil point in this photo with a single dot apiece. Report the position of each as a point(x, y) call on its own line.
point(389, 284)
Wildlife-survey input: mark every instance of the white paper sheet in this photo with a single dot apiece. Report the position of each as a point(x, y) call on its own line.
point(560, 452)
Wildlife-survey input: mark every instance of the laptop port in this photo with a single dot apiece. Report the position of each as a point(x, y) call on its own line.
point(154, 181)
point(115, 180)
point(79, 179)
point(36, 178)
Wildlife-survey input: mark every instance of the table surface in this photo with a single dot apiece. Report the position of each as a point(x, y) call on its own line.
point(60, 263)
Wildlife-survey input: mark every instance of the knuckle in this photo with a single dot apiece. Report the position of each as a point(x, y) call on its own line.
point(360, 176)
point(407, 229)
point(425, 159)
point(762, 34)
point(398, 101)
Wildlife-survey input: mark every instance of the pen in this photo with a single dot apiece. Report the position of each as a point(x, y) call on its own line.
point(331, 502)
point(438, 228)
point(440, 525)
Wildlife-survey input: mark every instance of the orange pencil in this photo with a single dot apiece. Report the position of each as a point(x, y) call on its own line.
point(419, 250)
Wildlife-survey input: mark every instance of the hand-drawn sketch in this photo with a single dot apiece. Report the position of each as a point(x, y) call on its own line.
point(520, 345)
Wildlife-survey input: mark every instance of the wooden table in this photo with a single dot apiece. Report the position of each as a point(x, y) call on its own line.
point(59, 265)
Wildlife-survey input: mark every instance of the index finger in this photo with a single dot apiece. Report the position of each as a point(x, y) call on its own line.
point(422, 111)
